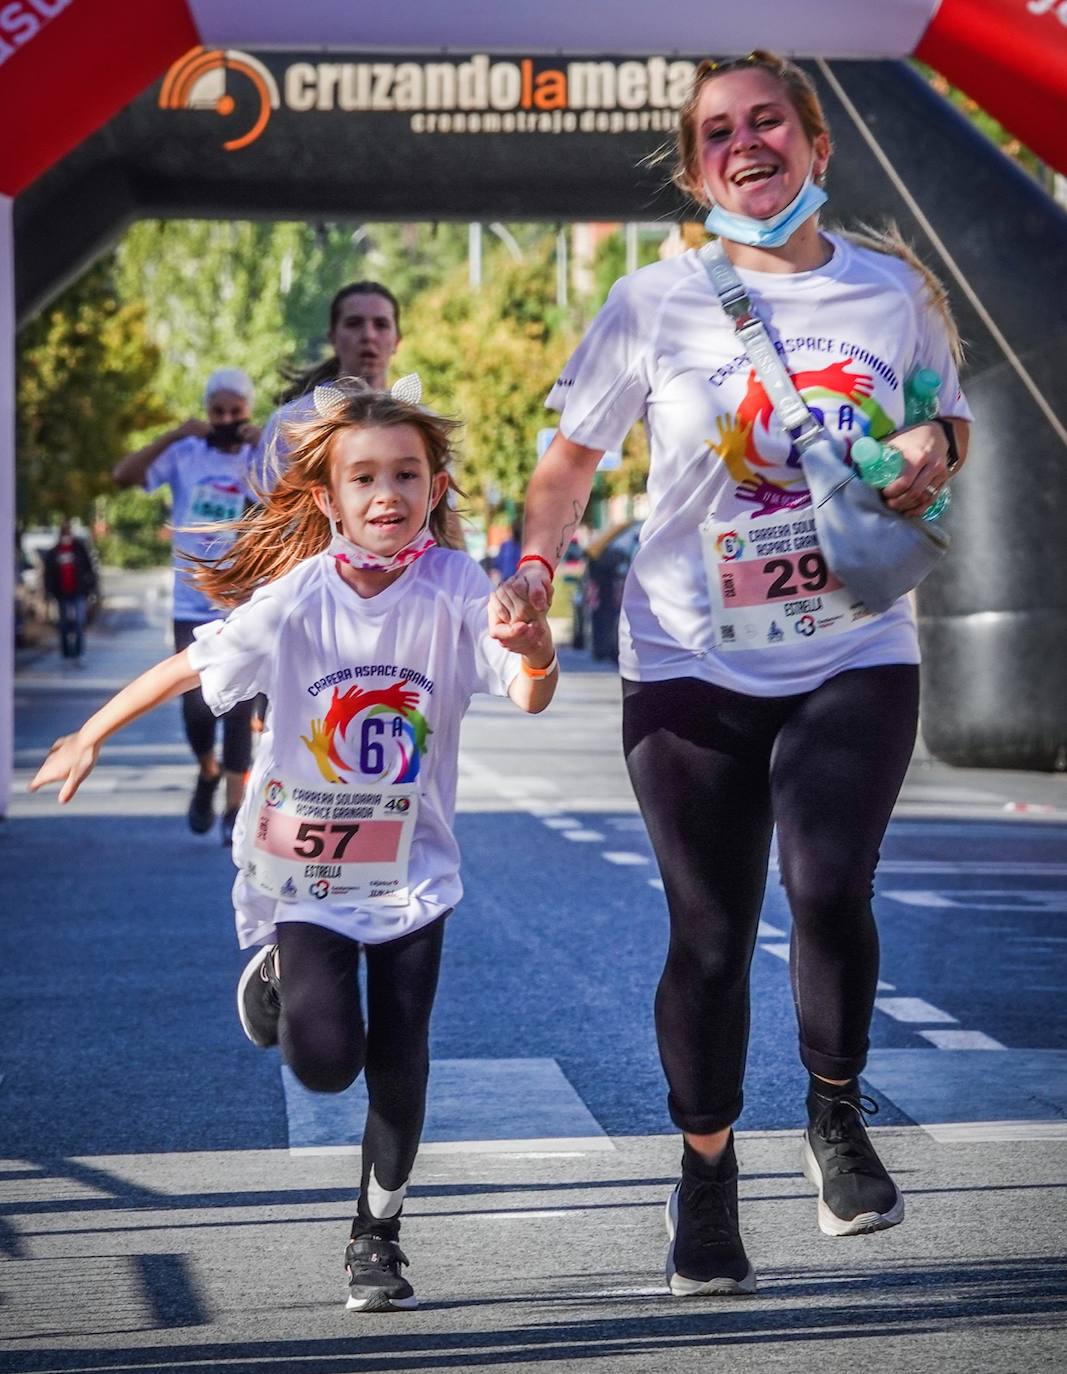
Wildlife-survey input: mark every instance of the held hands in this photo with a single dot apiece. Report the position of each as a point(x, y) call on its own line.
point(924, 449)
point(70, 761)
point(532, 639)
point(519, 605)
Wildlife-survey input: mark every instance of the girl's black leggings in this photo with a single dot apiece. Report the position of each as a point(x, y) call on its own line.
point(325, 1043)
point(714, 771)
point(200, 723)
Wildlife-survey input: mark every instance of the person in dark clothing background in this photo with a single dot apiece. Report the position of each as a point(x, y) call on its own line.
point(70, 579)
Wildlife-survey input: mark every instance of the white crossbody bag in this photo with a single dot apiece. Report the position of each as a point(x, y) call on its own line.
point(876, 552)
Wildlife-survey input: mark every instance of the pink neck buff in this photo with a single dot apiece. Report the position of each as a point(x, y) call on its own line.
point(345, 551)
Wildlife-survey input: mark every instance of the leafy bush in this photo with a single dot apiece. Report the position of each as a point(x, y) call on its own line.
point(135, 534)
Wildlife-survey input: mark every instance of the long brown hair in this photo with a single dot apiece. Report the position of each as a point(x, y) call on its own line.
point(802, 95)
point(298, 381)
point(287, 526)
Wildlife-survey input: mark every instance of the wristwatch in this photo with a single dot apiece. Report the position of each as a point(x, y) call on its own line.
point(953, 461)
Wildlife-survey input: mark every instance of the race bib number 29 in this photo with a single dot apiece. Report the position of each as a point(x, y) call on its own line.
point(769, 583)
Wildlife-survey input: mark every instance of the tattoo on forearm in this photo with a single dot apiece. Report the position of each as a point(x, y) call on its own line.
point(567, 533)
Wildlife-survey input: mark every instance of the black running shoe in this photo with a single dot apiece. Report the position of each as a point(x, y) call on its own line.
point(259, 1003)
point(228, 819)
point(706, 1256)
point(202, 806)
point(856, 1194)
point(375, 1283)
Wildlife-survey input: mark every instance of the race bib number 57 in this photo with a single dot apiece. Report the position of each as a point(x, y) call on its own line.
point(346, 846)
point(769, 583)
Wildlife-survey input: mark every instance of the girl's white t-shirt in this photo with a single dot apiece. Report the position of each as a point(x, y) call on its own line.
point(662, 350)
point(329, 660)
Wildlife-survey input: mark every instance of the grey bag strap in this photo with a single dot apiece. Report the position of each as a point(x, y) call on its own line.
point(801, 425)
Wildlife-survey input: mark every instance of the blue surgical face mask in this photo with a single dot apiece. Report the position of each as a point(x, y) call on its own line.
point(772, 232)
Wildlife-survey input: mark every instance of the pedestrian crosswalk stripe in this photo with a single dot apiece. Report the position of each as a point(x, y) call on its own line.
point(961, 1040)
point(471, 1103)
point(1028, 1085)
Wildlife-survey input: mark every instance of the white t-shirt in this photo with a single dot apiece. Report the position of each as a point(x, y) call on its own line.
point(332, 664)
point(270, 452)
point(205, 485)
point(663, 350)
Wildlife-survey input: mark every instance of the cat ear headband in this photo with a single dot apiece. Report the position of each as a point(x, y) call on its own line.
point(330, 400)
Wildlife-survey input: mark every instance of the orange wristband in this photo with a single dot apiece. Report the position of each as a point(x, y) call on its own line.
point(539, 673)
point(536, 558)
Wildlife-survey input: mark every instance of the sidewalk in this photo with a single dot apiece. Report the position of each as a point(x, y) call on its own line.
point(169, 1203)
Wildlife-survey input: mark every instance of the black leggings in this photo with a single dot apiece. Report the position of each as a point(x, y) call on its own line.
point(200, 721)
point(714, 771)
point(325, 1044)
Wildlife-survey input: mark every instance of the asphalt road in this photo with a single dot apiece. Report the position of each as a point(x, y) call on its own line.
point(171, 1199)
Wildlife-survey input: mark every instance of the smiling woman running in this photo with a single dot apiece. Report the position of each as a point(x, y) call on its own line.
point(792, 724)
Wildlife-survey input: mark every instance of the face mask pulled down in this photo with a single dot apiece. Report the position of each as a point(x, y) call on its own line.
point(346, 550)
point(772, 232)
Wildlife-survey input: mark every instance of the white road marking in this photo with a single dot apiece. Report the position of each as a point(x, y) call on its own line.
point(623, 858)
point(986, 899)
point(564, 1146)
point(659, 1292)
point(561, 823)
point(524, 787)
point(476, 1105)
point(961, 1040)
point(911, 1009)
point(886, 987)
point(521, 1216)
point(584, 835)
point(782, 951)
point(657, 883)
point(967, 1132)
point(766, 931)
point(1009, 868)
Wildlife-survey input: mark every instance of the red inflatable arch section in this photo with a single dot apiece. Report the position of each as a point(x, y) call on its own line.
point(67, 66)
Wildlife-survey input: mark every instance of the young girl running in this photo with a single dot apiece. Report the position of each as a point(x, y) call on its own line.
point(369, 640)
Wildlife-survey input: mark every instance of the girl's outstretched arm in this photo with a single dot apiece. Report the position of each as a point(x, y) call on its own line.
point(72, 757)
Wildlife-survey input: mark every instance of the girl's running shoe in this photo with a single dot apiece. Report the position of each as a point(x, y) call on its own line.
point(259, 1003)
point(375, 1283)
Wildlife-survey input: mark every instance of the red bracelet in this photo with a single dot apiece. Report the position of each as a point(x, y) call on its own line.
point(536, 558)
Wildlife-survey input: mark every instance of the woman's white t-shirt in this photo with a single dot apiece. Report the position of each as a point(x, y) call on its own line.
point(206, 486)
point(364, 694)
point(663, 350)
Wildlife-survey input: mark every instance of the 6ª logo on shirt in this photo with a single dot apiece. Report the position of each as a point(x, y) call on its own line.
point(377, 735)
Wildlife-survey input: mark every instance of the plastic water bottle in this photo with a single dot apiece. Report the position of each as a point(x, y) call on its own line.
point(921, 396)
point(879, 464)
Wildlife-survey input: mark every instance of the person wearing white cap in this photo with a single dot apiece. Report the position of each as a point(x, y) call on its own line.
point(206, 464)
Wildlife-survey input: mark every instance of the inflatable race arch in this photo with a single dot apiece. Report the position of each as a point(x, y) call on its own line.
point(265, 109)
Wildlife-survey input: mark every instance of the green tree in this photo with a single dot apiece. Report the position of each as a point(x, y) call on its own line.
point(135, 534)
point(85, 380)
point(489, 356)
point(213, 293)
